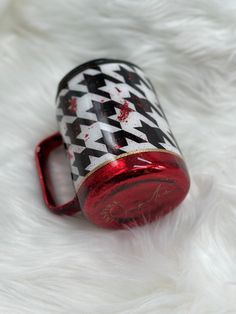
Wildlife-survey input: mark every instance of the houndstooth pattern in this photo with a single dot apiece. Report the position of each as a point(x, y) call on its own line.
point(94, 127)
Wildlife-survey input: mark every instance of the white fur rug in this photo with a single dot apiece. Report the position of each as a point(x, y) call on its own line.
point(185, 263)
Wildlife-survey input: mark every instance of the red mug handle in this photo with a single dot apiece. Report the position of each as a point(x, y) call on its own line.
point(42, 151)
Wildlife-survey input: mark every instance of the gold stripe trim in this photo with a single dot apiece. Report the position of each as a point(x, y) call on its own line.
point(124, 155)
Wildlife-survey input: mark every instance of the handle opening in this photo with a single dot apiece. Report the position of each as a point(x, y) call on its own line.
point(42, 152)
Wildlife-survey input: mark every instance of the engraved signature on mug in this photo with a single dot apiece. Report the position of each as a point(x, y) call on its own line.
point(117, 208)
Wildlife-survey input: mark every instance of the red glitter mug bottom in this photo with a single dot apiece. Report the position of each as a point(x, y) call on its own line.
point(135, 189)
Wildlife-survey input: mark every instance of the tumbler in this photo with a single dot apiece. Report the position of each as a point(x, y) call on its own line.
point(126, 166)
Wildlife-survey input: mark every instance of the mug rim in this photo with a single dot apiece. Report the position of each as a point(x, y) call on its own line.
point(89, 64)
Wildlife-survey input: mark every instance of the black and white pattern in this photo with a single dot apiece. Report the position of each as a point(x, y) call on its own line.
point(106, 108)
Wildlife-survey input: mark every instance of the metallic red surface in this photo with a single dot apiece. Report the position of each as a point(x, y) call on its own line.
point(134, 189)
point(129, 191)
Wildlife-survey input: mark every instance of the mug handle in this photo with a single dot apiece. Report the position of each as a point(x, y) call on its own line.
point(42, 151)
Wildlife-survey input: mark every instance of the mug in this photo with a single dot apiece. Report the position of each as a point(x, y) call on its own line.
point(126, 166)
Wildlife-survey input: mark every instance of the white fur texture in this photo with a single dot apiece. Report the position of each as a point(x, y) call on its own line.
point(185, 263)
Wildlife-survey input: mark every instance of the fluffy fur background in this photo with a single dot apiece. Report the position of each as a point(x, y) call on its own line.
point(184, 263)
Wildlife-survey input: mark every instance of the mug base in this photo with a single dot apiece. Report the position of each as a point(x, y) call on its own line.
point(134, 190)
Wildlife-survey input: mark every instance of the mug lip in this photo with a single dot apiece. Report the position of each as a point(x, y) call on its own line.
point(91, 64)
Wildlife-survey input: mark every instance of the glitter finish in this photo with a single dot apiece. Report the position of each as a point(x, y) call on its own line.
point(126, 166)
point(134, 190)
